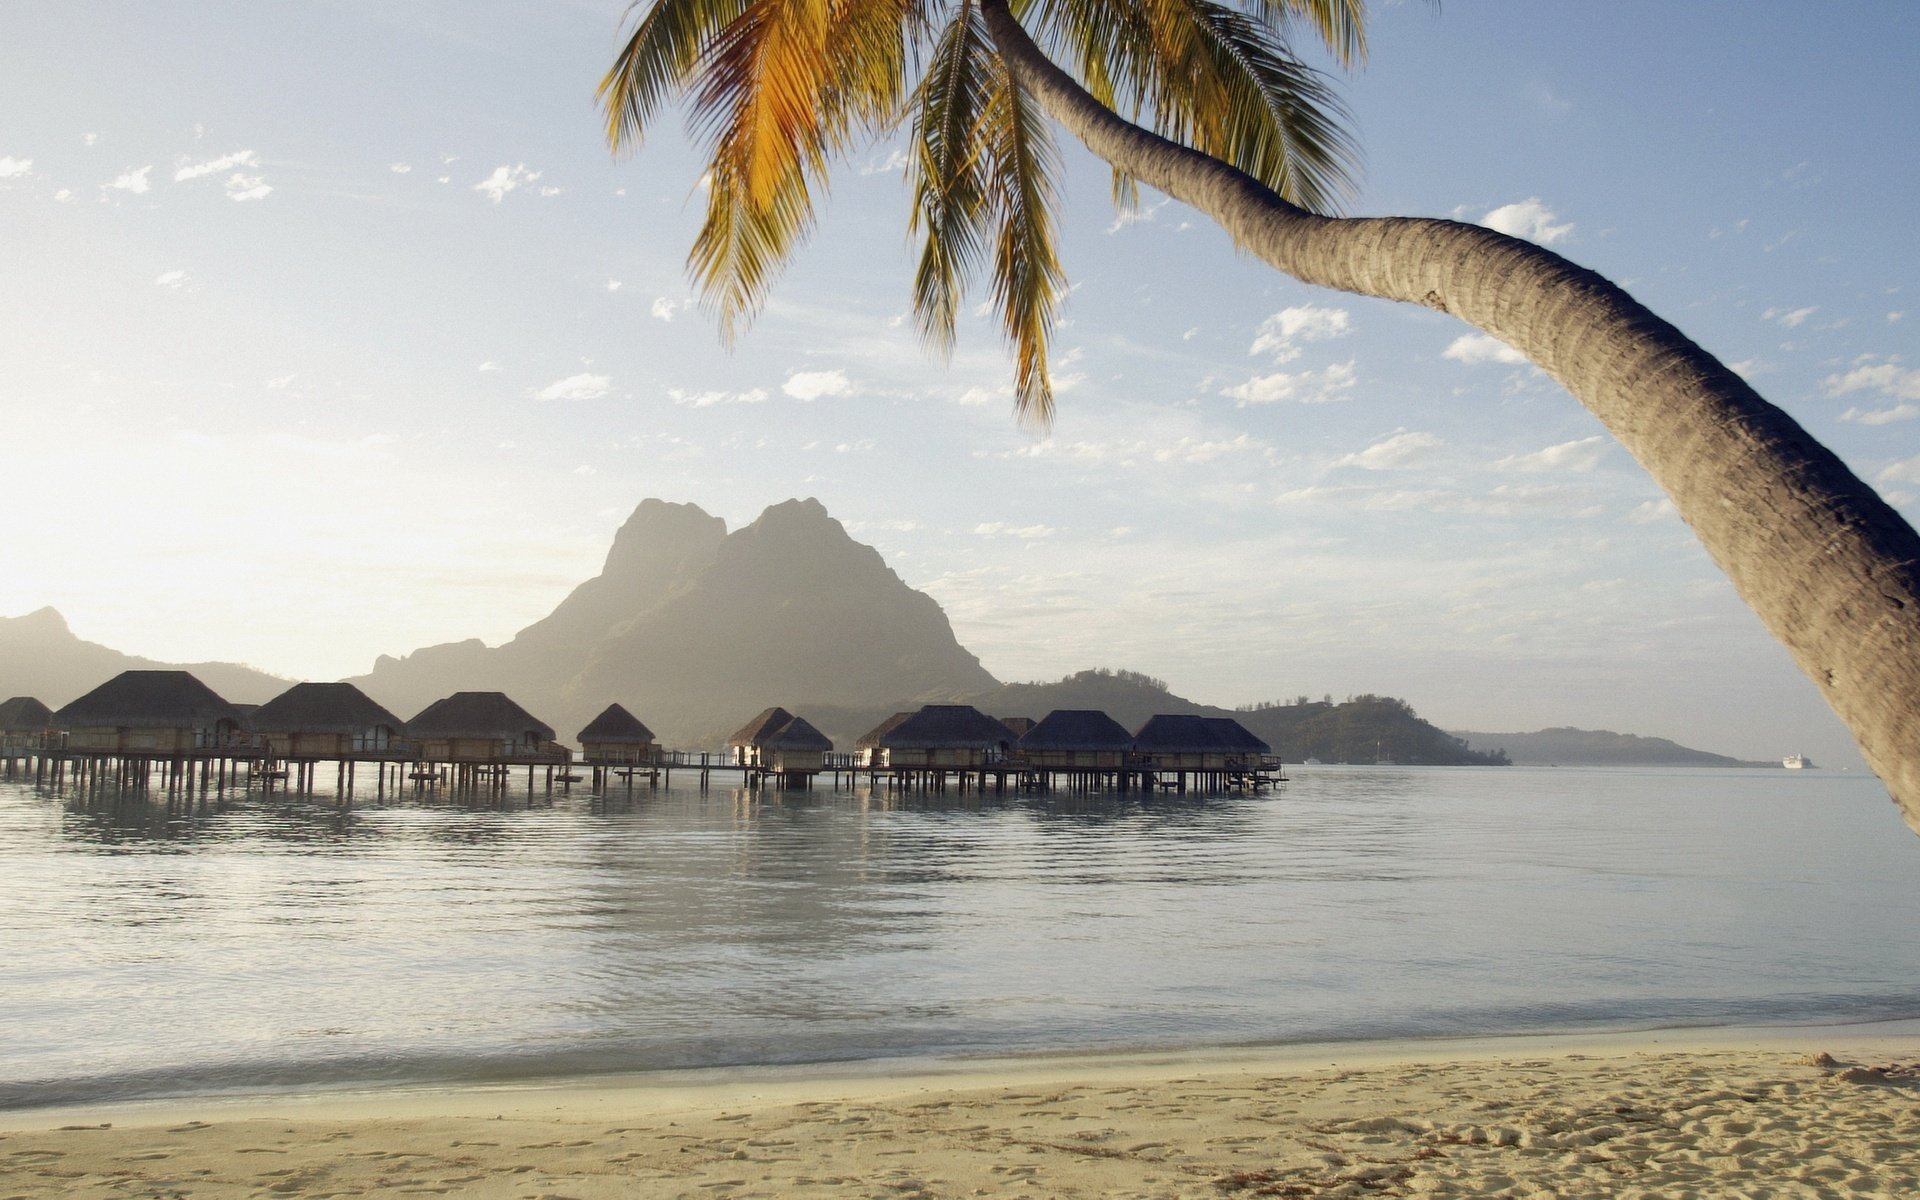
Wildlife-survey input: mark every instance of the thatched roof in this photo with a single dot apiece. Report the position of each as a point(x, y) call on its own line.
point(617, 725)
point(477, 715)
point(1182, 734)
point(757, 731)
point(1077, 729)
point(1019, 725)
point(24, 714)
point(871, 740)
point(946, 726)
point(797, 734)
point(1238, 736)
point(321, 708)
point(147, 700)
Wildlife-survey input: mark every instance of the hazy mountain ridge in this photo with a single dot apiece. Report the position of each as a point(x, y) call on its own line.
point(694, 629)
point(41, 657)
point(1569, 747)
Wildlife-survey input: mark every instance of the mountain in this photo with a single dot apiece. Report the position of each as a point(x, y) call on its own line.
point(1569, 747)
point(41, 657)
point(695, 629)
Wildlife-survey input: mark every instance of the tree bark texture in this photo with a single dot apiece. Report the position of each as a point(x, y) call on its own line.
point(1831, 569)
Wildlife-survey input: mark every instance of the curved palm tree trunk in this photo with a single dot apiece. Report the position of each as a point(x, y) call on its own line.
point(1830, 568)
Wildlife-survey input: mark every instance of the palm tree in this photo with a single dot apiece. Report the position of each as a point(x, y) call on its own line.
point(1205, 101)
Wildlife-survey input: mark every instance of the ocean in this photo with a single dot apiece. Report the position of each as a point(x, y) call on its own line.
point(284, 942)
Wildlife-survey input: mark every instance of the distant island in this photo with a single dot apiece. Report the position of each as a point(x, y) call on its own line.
point(1565, 746)
point(694, 628)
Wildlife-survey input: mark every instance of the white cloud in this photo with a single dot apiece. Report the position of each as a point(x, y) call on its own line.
point(1473, 348)
point(811, 385)
point(134, 181)
point(892, 164)
point(15, 168)
point(171, 279)
point(489, 365)
point(979, 397)
point(399, 168)
point(585, 470)
point(1304, 387)
point(1000, 529)
point(1881, 416)
point(278, 382)
point(226, 162)
point(1907, 470)
point(711, 398)
point(1790, 318)
point(1528, 219)
point(549, 191)
point(1281, 334)
point(1395, 453)
point(246, 187)
point(1751, 369)
point(1650, 511)
point(505, 179)
point(89, 138)
point(614, 285)
point(1581, 455)
point(1888, 378)
point(1139, 214)
point(1896, 316)
point(576, 387)
point(663, 309)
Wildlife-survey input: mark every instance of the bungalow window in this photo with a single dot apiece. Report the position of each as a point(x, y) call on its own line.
point(375, 739)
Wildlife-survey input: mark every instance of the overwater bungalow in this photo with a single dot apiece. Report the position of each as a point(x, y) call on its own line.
point(483, 728)
point(332, 722)
point(1069, 739)
point(867, 752)
point(152, 714)
point(1244, 747)
point(616, 738)
point(942, 737)
point(796, 749)
point(1181, 742)
point(25, 726)
point(747, 747)
point(1018, 725)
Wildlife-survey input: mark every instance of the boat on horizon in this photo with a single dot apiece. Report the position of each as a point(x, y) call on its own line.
point(1796, 762)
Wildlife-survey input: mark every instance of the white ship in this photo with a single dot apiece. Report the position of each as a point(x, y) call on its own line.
point(1796, 762)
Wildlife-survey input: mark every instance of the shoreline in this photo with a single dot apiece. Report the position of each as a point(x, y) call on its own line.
point(885, 1075)
point(1654, 1113)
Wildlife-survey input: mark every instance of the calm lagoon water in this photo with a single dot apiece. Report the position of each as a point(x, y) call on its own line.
point(283, 942)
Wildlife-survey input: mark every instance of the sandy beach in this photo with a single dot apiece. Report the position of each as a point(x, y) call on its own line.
point(1815, 1113)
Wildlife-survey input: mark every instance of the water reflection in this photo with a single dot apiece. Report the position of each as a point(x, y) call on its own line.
point(426, 935)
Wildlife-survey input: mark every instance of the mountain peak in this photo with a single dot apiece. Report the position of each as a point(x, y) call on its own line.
point(659, 529)
point(45, 622)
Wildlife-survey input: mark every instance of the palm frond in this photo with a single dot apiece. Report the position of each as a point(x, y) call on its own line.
point(1027, 278)
point(659, 60)
point(948, 172)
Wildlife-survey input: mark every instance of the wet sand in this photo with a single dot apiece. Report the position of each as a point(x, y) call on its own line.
point(1793, 1113)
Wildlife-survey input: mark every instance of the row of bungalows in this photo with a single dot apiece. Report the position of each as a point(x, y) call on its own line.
point(25, 727)
point(960, 737)
point(172, 714)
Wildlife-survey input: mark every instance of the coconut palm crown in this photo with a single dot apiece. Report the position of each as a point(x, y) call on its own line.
point(1206, 101)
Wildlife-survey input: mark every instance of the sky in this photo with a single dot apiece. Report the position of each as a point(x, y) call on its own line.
point(334, 330)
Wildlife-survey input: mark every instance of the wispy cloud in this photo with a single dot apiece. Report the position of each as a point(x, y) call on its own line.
point(15, 168)
point(583, 386)
point(1281, 334)
point(242, 188)
point(213, 166)
point(1581, 455)
point(134, 181)
point(664, 309)
point(1647, 512)
point(175, 279)
point(1300, 387)
point(812, 385)
point(1471, 348)
point(400, 168)
point(1138, 214)
point(710, 398)
point(1000, 529)
point(505, 179)
point(1790, 318)
point(1529, 219)
point(1404, 449)
point(1886, 377)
